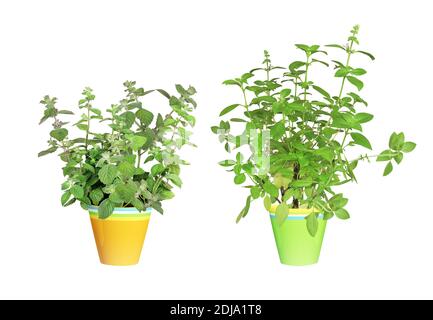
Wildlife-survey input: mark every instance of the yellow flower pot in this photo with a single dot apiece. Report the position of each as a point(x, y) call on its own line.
point(120, 237)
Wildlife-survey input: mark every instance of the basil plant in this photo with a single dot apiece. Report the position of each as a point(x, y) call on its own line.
point(291, 138)
point(134, 162)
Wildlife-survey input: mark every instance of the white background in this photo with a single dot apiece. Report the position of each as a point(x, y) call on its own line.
point(196, 250)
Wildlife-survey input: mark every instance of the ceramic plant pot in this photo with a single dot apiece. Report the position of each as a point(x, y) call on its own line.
point(296, 247)
point(120, 237)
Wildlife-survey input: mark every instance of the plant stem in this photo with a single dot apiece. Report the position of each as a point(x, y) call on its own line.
point(349, 53)
point(88, 124)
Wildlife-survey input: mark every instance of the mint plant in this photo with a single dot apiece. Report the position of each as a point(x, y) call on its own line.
point(134, 163)
point(299, 134)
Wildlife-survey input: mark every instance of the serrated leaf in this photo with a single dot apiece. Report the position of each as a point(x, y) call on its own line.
point(77, 191)
point(137, 142)
point(107, 174)
point(105, 209)
point(145, 117)
point(126, 169)
point(96, 196)
point(59, 134)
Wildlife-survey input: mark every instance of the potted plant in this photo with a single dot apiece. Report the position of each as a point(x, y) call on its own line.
point(123, 172)
point(295, 141)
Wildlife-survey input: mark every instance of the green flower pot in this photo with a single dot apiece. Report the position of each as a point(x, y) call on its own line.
point(296, 247)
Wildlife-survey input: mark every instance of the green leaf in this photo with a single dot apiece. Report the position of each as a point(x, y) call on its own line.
point(322, 91)
point(138, 204)
point(326, 153)
point(157, 206)
point(227, 163)
point(408, 146)
point(358, 72)
point(301, 183)
point(356, 82)
point(166, 194)
point(360, 140)
point(96, 196)
point(312, 224)
point(296, 65)
point(164, 93)
point(398, 158)
point(232, 82)
point(336, 46)
point(240, 178)
point(77, 191)
point(255, 192)
point(229, 109)
point(175, 179)
point(342, 214)
point(396, 141)
point(285, 93)
point(342, 72)
point(126, 191)
point(245, 210)
point(65, 112)
point(59, 134)
point(126, 169)
point(145, 117)
point(388, 169)
point(270, 189)
point(65, 198)
point(367, 54)
point(337, 201)
point(385, 155)
point(105, 209)
point(129, 118)
point(137, 142)
point(88, 167)
point(267, 203)
point(281, 213)
point(83, 127)
point(107, 174)
point(278, 130)
point(363, 117)
point(116, 198)
point(48, 151)
point(157, 169)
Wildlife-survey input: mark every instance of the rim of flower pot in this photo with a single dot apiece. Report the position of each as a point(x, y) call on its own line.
point(302, 212)
point(122, 213)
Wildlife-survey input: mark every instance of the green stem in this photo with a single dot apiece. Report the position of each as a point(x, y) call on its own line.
point(88, 125)
point(307, 64)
